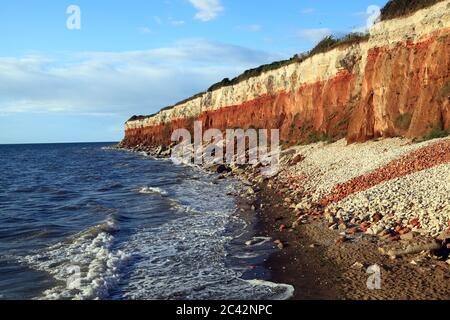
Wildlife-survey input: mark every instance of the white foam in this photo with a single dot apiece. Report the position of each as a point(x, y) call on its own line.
point(90, 251)
point(279, 291)
point(258, 241)
point(186, 259)
point(152, 190)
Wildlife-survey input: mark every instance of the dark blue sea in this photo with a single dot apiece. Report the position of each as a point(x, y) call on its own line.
point(81, 221)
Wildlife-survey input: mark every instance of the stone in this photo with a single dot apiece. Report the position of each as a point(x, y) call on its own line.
point(282, 227)
point(377, 217)
point(357, 265)
point(407, 236)
point(444, 236)
point(333, 227)
point(279, 244)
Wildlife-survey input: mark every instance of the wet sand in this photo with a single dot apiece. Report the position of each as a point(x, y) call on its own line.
point(322, 267)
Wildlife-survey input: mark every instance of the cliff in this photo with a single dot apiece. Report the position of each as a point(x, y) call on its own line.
point(395, 82)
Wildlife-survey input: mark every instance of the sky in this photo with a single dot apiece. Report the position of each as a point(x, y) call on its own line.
point(75, 71)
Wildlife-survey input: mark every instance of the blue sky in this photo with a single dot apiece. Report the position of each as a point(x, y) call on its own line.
point(136, 56)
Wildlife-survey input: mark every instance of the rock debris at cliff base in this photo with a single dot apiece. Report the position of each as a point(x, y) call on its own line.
point(387, 187)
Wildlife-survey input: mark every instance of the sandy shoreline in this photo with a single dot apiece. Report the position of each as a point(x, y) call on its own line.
point(320, 267)
point(325, 248)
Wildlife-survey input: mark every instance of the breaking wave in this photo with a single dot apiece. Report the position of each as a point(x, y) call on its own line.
point(91, 254)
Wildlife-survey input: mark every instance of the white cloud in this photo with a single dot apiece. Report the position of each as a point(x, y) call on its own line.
point(177, 23)
point(120, 83)
point(314, 35)
point(145, 30)
point(307, 11)
point(207, 9)
point(251, 28)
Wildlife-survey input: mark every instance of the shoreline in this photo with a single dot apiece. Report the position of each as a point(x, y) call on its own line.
point(323, 262)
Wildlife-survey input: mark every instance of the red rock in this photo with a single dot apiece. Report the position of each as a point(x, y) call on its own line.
point(415, 222)
point(404, 231)
point(365, 226)
point(422, 159)
point(377, 217)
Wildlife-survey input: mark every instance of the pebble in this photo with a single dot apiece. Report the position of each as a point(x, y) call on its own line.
point(357, 265)
point(279, 244)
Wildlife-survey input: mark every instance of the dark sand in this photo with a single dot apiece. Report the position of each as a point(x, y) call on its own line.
point(321, 269)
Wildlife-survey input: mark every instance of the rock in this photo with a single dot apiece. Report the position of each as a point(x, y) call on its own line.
point(282, 227)
point(342, 227)
point(297, 223)
point(404, 231)
point(410, 249)
point(160, 150)
point(341, 240)
point(223, 169)
point(448, 261)
point(377, 217)
point(298, 158)
point(407, 237)
point(357, 265)
point(250, 191)
point(333, 227)
point(279, 244)
point(444, 236)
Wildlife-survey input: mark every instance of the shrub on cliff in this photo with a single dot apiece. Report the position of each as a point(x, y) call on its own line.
point(330, 42)
point(437, 133)
point(398, 8)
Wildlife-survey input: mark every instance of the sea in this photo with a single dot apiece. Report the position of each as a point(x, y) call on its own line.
point(84, 222)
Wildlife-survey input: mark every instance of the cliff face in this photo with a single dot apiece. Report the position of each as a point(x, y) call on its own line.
point(396, 83)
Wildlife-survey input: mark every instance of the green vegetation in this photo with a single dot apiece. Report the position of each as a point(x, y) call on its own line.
point(403, 121)
point(136, 118)
point(398, 8)
point(437, 133)
point(393, 9)
point(315, 137)
point(327, 44)
point(330, 42)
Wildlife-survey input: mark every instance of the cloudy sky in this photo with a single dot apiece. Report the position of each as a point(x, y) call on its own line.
point(59, 84)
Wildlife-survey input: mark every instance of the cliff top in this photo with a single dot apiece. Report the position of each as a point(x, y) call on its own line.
point(393, 9)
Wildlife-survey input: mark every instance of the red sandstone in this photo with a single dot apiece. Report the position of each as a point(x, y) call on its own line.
point(419, 160)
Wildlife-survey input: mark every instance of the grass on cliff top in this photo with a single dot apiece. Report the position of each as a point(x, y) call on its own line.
point(399, 8)
point(393, 9)
point(327, 44)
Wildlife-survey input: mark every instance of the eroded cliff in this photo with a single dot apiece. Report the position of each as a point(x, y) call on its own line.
point(396, 82)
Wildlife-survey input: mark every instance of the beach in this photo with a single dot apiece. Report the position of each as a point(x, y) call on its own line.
point(393, 218)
